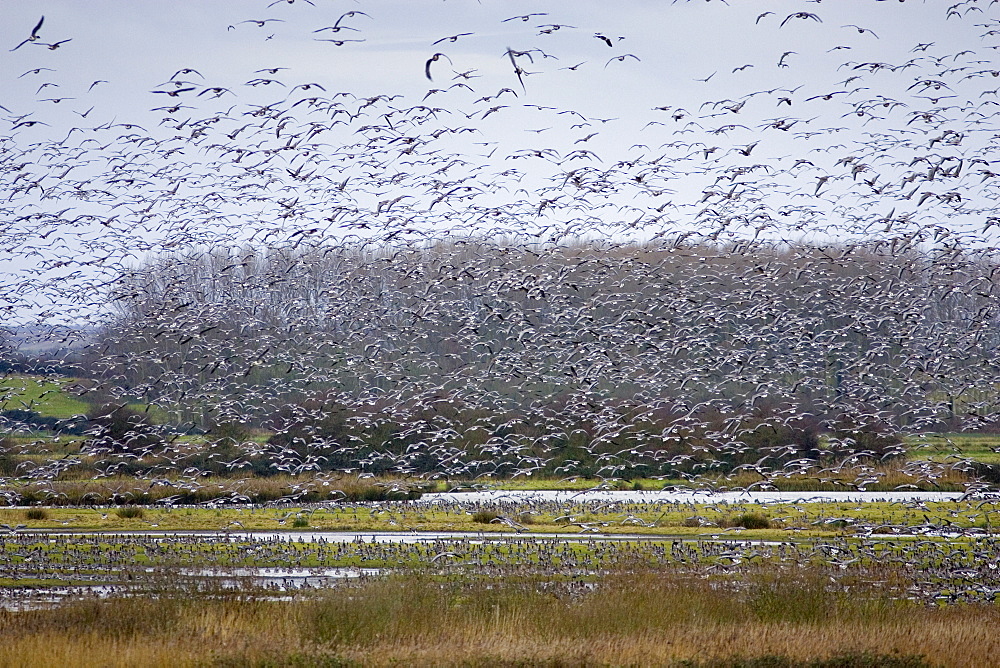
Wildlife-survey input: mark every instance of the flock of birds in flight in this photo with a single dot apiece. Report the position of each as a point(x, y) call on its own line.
point(815, 250)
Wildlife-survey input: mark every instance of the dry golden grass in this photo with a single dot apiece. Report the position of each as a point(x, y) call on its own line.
point(631, 619)
point(692, 642)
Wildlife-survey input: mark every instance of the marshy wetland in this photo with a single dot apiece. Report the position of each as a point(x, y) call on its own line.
point(894, 563)
point(575, 333)
point(519, 579)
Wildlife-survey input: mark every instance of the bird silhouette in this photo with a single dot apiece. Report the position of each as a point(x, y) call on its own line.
point(33, 37)
point(433, 59)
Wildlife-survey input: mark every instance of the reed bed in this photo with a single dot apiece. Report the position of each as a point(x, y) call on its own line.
point(629, 618)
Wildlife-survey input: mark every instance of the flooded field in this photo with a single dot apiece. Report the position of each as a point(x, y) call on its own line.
point(934, 544)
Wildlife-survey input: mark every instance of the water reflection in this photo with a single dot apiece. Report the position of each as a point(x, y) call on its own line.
point(265, 582)
point(397, 537)
point(279, 579)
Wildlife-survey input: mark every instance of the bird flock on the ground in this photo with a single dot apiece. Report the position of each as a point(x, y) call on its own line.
point(71, 566)
point(486, 278)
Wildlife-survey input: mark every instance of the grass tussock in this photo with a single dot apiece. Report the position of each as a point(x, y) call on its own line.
point(130, 513)
point(748, 520)
point(485, 516)
point(772, 621)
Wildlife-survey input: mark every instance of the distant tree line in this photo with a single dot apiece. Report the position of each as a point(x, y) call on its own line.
point(351, 353)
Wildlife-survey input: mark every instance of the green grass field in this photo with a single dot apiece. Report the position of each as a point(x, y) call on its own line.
point(45, 396)
point(983, 448)
point(784, 521)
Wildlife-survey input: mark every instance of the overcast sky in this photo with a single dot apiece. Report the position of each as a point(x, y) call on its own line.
point(135, 46)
